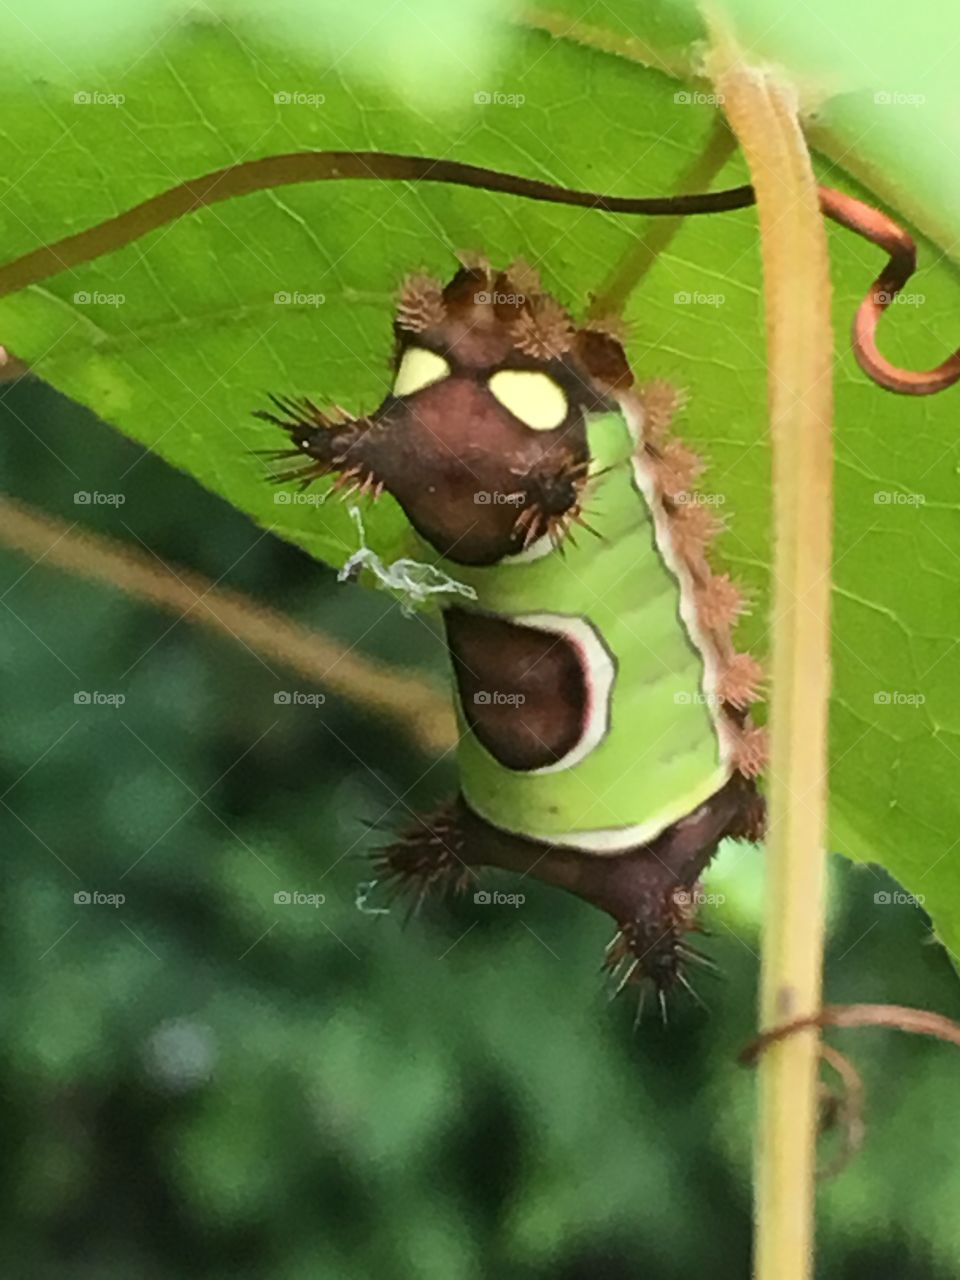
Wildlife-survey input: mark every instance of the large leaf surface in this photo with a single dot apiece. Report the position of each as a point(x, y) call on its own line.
point(200, 338)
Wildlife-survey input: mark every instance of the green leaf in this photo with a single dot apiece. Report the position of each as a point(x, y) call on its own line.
point(199, 338)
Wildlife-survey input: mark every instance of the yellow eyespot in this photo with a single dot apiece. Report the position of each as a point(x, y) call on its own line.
point(419, 368)
point(532, 397)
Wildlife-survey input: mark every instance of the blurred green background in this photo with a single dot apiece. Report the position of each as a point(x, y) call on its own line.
point(201, 1082)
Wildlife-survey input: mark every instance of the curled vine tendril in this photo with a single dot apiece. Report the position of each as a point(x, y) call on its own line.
point(383, 166)
point(847, 1110)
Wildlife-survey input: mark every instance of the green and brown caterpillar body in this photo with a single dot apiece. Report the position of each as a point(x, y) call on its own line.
point(605, 743)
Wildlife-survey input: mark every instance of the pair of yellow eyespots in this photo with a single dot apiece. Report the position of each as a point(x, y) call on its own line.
point(529, 395)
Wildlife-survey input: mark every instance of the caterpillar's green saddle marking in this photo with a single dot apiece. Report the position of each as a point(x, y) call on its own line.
point(654, 749)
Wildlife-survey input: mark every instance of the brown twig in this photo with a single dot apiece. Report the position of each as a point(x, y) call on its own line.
point(408, 700)
point(848, 1110)
point(267, 172)
point(898, 1017)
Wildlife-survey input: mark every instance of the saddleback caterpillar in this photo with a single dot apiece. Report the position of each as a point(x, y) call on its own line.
point(605, 742)
point(606, 745)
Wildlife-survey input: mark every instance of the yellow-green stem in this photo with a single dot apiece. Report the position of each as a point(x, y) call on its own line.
point(762, 112)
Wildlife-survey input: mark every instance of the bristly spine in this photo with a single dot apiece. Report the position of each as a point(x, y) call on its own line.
point(323, 439)
point(718, 602)
point(420, 306)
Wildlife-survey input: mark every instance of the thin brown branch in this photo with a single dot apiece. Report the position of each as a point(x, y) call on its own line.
point(850, 1107)
point(897, 1017)
point(846, 1111)
point(410, 702)
point(268, 172)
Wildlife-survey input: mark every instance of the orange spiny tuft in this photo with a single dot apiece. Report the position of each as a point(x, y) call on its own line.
point(476, 261)
point(530, 523)
point(421, 304)
point(610, 326)
point(337, 416)
point(694, 526)
point(720, 602)
point(543, 330)
point(740, 681)
point(662, 401)
point(521, 278)
point(751, 751)
point(676, 468)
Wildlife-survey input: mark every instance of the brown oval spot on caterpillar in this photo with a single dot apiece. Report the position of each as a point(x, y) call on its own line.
point(524, 692)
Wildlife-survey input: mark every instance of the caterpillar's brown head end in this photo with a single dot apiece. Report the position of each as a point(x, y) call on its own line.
point(482, 438)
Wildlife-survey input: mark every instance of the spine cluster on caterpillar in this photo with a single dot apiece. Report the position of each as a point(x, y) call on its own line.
point(718, 601)
point(325, 438)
